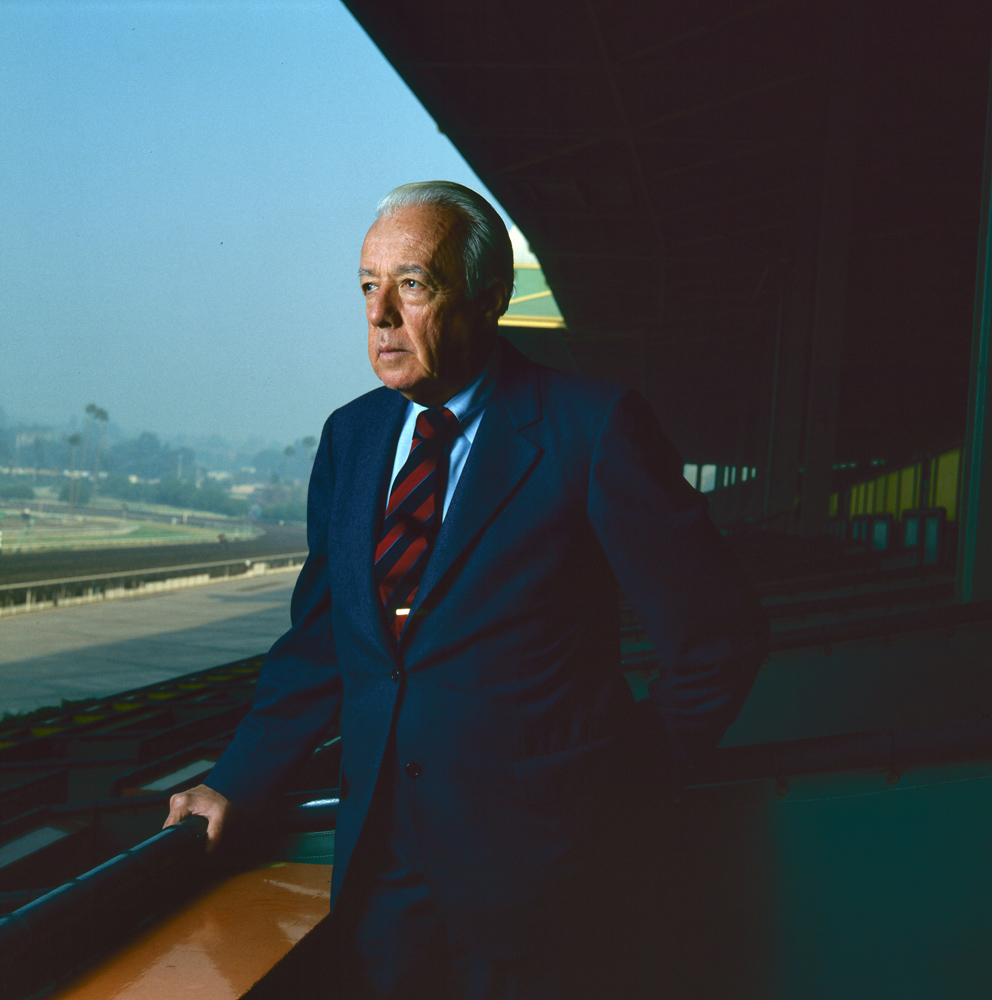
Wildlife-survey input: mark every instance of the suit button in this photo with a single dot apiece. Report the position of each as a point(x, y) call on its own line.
point(412, 769)
point(395, 675)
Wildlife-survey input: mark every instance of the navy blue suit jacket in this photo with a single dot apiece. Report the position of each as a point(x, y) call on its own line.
point(511, 700)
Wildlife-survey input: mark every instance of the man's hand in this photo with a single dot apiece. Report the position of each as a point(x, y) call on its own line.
point(203, 801)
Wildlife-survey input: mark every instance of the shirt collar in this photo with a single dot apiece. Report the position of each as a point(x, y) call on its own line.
point(473, 398)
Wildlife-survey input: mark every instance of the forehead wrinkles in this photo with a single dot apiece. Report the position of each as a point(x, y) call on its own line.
point(417, 237)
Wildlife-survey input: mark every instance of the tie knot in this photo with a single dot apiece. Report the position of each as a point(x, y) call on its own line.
point(437, 424)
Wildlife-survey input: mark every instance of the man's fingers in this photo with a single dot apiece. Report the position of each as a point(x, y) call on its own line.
point(201, 801)
point(184, 804)
point(177, 809)
point(213, 832)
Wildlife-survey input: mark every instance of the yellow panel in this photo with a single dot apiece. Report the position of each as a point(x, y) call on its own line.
point(832, 505)
point(907, 488)
point(857, 499)
point(536, 322)
point(946, 488)
point(879, 506)
point(892, 494)
point(870, 497)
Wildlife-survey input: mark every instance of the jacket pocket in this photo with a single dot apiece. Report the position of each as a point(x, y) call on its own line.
point(584, 769)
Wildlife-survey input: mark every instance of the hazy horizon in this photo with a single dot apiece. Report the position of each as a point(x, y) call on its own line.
point(186, 189)
point(257, 439)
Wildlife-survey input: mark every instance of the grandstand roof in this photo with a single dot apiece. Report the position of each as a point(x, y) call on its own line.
point(667, 163)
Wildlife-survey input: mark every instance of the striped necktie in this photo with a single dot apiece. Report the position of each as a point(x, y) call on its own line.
point(413, 514)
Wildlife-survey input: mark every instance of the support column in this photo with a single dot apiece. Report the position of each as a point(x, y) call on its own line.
point(780, 484)
point(830, 297)
point(974, 571)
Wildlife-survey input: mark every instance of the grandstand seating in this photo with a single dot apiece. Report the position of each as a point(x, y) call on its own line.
point(87, 782)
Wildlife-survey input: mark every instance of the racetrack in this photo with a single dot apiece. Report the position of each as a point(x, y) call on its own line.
point(19, 567)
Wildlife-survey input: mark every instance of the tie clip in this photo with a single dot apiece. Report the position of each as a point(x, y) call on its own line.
point(402, 611)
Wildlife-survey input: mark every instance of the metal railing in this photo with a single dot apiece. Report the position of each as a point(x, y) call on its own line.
point(49, 939)
point(46, 940)
point(79, 589)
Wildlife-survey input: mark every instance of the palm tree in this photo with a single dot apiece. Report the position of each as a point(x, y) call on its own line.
point(101, 416)
point(75, 440)
point(90, 410)
point(309, 443)
point(288, 452)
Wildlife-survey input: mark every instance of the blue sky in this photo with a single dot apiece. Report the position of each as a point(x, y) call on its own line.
point(184, 189)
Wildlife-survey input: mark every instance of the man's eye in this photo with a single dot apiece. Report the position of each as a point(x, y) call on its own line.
point(412, 283)
point(367, 287)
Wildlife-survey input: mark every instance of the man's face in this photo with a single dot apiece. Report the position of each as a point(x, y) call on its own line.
point(425, 340)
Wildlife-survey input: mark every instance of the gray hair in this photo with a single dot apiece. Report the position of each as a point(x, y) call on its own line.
point(487, 255)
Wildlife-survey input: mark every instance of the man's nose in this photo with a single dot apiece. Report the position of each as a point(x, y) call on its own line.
point(381, 307)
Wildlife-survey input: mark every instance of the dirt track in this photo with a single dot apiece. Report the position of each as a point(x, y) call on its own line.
point(57, 565)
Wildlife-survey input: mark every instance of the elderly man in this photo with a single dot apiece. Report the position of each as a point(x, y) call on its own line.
point(468, 525)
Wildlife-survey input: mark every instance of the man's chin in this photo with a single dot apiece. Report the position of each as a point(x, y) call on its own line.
point(401, 379)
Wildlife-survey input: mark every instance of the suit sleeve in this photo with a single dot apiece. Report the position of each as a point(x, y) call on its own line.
point(299, 687)
point(679, 574)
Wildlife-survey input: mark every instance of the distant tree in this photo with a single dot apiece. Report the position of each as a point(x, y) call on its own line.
point(15, 490)
point(267, 461)
point(78, 491)
point(142, 456)
point(117, 485)
point(309, 445)
point(213, 498)
point(89, 410)
point(186, 459)
point(292, 510)
point(148, 443)
point(75, 440)
point(101, 416)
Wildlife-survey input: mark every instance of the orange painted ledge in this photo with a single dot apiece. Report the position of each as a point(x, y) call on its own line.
point(218, 946)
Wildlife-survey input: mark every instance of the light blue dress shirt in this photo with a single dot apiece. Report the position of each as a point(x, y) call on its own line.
point(468, 406)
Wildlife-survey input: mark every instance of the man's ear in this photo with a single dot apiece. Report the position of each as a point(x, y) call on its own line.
point(493, 300)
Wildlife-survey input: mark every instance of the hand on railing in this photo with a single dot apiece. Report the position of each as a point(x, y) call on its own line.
point(212, 806)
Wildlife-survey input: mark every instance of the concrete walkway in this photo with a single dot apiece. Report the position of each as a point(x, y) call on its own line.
point(98, 649)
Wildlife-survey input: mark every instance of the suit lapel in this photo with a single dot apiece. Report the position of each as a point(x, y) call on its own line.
point(500, 458)
point(373, 465)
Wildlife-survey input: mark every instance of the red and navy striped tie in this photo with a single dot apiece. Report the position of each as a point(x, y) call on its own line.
point(413, 514)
